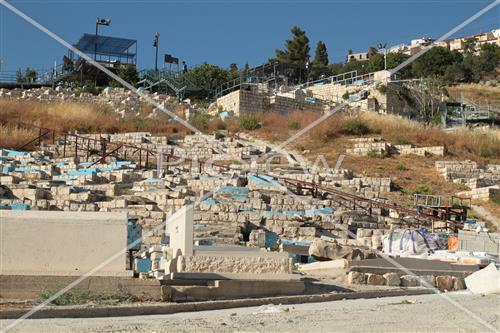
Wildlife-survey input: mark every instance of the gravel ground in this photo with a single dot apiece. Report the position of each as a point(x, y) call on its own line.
point(426, 313)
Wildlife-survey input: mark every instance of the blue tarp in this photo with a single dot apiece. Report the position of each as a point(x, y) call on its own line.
point(271, 240)
point(15, 206)
point(153, 180)
point(121, 162)
point(232, 190)
point(224, 115)
point(23, 169)
point(319, 211)
point(83, 172)
point(142, 265)
point(292, 242)
point(15, 153)
point(209, 202)
point(263, 180)
point(134, 233)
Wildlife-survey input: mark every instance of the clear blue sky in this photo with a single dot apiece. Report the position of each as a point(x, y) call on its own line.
point(226, 31)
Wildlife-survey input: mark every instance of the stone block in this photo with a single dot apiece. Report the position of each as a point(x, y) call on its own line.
point(409, 281)
point(444, 282)
point(356, 278)
point(427, 280)
point(458, 283)
point(392, 279)
point(375, 279)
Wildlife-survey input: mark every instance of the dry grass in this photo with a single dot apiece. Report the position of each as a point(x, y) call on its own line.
point(482, 145)
point(332, 137)
point(15, 137)
point(65, 117)
point(476, 92)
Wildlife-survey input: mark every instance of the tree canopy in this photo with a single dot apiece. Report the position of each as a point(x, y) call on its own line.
point(296, 49)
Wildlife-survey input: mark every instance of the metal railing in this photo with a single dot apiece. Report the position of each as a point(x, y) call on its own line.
point(43, 77)
point(340, 78)
point(175, 80)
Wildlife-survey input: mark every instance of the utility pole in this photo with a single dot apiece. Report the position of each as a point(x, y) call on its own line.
point(155, 45)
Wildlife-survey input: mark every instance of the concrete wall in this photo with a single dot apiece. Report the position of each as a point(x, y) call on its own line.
point(62, 243)
point(31, 287)
point(473, 241)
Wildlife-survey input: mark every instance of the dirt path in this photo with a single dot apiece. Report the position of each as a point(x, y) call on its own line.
point(395, 314)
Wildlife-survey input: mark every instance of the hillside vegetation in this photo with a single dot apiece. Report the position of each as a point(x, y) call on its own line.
point(70, 117)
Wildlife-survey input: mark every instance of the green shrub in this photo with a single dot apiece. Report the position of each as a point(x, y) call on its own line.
point(293, 124)
point(375, 154)
point(382, 88)
point(401, 141)
point(219, 136)
point(80, 297)
point(397, 188)
point(248, 123)
point(401, 166)
point(200, 121)
point(421, 189)
point(345, 95)
point(139, 123)
point(355, 127)
point(485, 152)
point(496, 199)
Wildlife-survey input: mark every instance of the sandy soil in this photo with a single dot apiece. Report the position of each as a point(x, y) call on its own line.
point(424, 313)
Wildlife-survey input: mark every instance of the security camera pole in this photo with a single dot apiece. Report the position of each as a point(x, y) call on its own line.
point(384, 47)
point(99, 22)
point(155, 45)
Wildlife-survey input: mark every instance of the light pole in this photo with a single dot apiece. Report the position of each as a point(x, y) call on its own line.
point(99, 22)
point(307, 72)
point(275, 78)
point(384, 47)
point(155, 45)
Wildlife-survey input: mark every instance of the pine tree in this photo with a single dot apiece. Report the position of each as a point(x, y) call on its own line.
point(19, 76)
point(297, 49)
point(233, 71)
point(321, 54)
point(244, 72)
point(296, 53)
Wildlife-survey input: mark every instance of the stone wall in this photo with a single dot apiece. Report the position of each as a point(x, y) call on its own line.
point(266, 263)
point(365, 146)
point(242, 102)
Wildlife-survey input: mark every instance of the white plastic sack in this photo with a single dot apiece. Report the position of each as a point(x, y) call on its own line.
point(485, 281)
point(269, 308)
point(410, 243)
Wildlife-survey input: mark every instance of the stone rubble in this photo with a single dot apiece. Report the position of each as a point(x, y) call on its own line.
point(483, 181)
point(45, 180)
